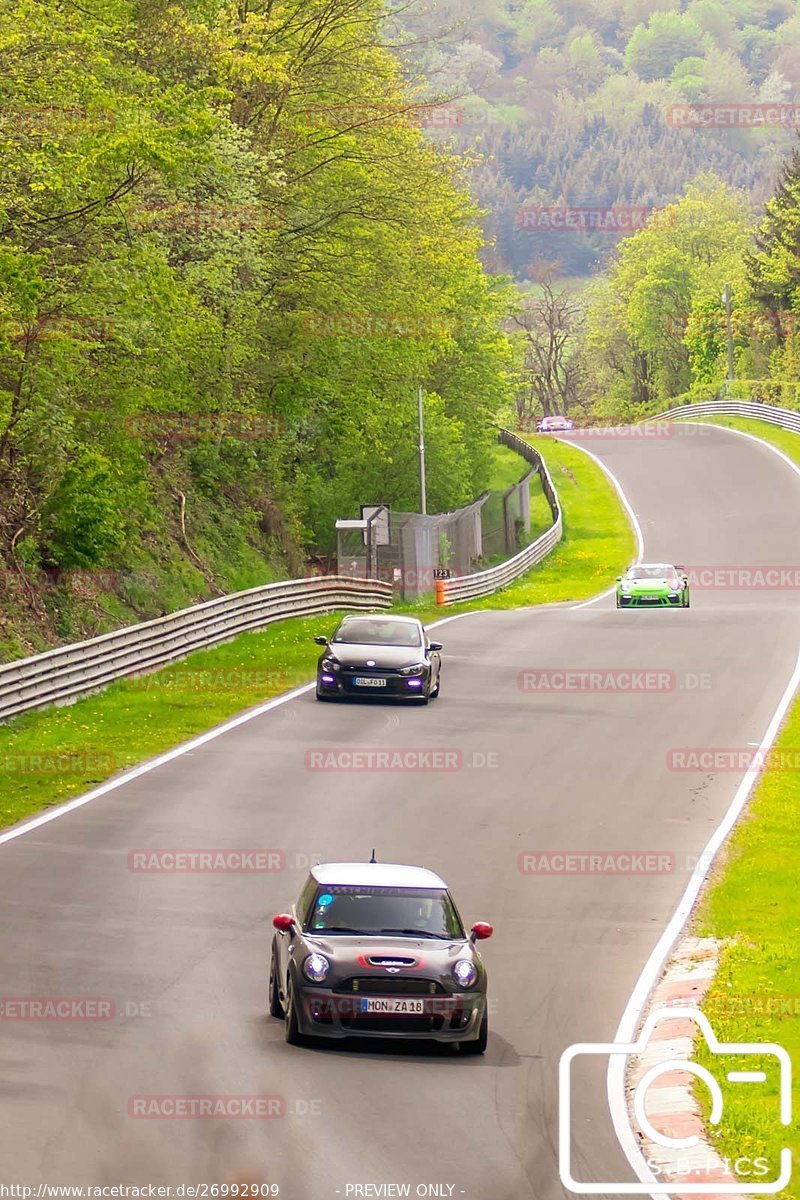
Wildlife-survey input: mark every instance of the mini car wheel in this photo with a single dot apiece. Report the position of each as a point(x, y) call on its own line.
point(436, 690)
point(293, 1035)
point(275, 1006)
point(480, 1043)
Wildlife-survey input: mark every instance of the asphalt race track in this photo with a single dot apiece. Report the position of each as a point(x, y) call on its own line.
point(184, 956)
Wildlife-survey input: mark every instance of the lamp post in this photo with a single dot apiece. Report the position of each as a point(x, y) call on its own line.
point(726, 299)
point(423, 492)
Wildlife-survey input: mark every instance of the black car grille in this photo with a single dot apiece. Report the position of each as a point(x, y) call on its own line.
point(368, 671)
point(380, 986)
point(379, 1024)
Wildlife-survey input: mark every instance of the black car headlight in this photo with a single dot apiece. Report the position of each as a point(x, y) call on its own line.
point(419, 669)
point(465, 972)
point(331, 664)
point(316, 968)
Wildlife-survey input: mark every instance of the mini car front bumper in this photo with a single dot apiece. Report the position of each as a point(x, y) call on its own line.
point(445, 1018)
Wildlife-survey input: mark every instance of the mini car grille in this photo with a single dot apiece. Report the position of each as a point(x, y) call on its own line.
point(376, 1024)
point(390, 986)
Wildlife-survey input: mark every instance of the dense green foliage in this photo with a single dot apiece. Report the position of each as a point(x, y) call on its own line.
point(193, 209)
point(572, 102)
point(655, 327)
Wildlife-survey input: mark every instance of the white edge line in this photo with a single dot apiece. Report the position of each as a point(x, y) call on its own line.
point(651, 971)
point(652, 968)
point(632, 517)
point(752, 437)
point(61, 810)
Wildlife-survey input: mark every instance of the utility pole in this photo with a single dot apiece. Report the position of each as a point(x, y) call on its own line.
point(726, 297)
point(423, 492)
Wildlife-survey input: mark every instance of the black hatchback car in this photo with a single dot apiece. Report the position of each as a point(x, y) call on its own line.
point(383, 656)
point(375, 950)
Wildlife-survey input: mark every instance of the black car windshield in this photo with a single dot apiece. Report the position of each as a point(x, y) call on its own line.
point(651, 572)
point(361, 631)
point(410, 912)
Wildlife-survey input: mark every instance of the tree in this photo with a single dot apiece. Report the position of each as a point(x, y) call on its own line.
point(549, 322)
point(654, 49)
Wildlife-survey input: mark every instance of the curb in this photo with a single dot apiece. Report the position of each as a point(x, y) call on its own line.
point(670, 1101)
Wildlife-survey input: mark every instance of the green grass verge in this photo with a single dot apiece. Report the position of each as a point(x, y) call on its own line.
point(598, 541)
point(47, 757)
point(751, 905)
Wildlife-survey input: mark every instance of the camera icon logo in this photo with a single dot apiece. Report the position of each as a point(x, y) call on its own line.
point(648, 1184)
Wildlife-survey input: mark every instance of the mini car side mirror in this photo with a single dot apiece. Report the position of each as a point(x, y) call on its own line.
point(321, 640)
point(481, 930)
point(435, 646)
point(284, 922)
point(619, 579)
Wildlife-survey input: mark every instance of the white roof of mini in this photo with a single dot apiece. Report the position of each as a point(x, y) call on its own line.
point(375, 875)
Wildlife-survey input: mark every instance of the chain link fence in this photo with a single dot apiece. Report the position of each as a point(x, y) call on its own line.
point(413, 552)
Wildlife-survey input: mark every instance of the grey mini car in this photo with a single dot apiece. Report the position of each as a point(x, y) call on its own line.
point(374, 950)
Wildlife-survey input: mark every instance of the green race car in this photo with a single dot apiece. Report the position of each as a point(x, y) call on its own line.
point(653, 585)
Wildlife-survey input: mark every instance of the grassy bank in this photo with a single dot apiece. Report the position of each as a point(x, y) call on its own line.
point(751, 905)
point(135, 719)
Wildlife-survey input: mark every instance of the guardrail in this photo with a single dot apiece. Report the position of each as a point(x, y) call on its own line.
point(784, 417)
point(63, 674)
point(483, 583)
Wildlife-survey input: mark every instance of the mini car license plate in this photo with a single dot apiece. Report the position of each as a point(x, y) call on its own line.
point(393, 1005)
point(378, 683)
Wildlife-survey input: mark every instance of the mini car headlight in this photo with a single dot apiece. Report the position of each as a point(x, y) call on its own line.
point(624, 586)
point(331, 664)
point(316, 968)
point(417, 670)
point(465, 972)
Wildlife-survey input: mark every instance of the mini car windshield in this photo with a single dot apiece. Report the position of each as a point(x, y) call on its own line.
point(661, 572)
point(410, 912)
point(361, 631)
